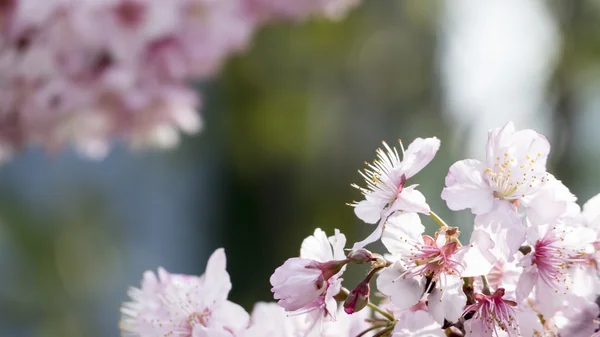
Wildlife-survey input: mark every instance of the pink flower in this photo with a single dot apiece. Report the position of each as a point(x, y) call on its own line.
point(515, 167)
point(490, 314)
point(425, 267)
point(308, 283)
point(386, 177)
point(545, 268)
point(183, 305)
point(585, 274)
point(418, 323)
point(83, 73)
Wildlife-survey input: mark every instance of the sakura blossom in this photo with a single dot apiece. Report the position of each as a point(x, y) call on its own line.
point(515, 167)
point(308, 283)
point(526, 265)
point(386, 178)
point(183, 305)
point(87, 73)
point(554, 250)
point(491, 313)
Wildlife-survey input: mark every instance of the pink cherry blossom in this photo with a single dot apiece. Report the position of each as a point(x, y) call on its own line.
point(308, 283)
point(184, 305)
point(491, 314)
point(82, 73)
point(386, 178)
point(425, 267)
point(545, 268)
point(515, 167)
point(586, 282)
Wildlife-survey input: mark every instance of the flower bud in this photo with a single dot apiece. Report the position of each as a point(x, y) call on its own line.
point(358, 298)
point(328, 268)
point(360, 256)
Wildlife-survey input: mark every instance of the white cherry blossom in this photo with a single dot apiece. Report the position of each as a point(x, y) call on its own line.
point(515, 167)
point(386, 191)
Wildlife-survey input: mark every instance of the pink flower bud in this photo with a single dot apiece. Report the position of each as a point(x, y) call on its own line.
point(360, 256)
point(358, 298)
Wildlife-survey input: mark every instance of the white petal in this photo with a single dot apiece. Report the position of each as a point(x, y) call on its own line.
point(448, 303)
point(369, 210)
point(529, 322)
point(338, 241)
point(550, 203)
point(591, 212)
point(466, 187)
point(418, 324)
point(505, 227)
point(216, 279)
point(526, 282)
point(478, 258)
point(411, 200)
point(401, 232)
point(548, 300)
point(418, 154)
point(316, 247)
point(403, 292)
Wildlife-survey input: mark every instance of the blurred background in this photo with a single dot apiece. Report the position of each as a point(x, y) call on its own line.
point(288, 124)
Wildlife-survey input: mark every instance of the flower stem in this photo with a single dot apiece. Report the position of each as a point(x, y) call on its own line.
point(437, 219)
point(486, 285)
point(381, 311)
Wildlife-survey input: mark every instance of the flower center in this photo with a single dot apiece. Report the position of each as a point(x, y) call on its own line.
point(429, 260)
point(553, 260)
point(493, 311)
point(199, 318)
point(510, 178)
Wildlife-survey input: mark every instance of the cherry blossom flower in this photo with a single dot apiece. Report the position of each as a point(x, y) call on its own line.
point(545, 268)
point(386, 178)
point(183, 305)
point(308, 283)
point(425, 267)
point(269, 319)
point(586, 280)
point(515, 167)
point(85, 72)
point(491, 313)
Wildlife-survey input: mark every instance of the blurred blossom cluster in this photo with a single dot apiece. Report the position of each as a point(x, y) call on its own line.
point(85, 72)
point(529, 267)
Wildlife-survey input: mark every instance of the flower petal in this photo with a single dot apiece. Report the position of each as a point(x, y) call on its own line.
point(369, 210)
point(403, 292)
point(466, 187)
point(411, 200)
point(526, 282)
point(478, 258)
point(399, 228)
point(418, 154)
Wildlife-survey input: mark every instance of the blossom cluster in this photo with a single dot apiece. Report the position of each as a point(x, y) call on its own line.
point(84, 72)
point(529, 267)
